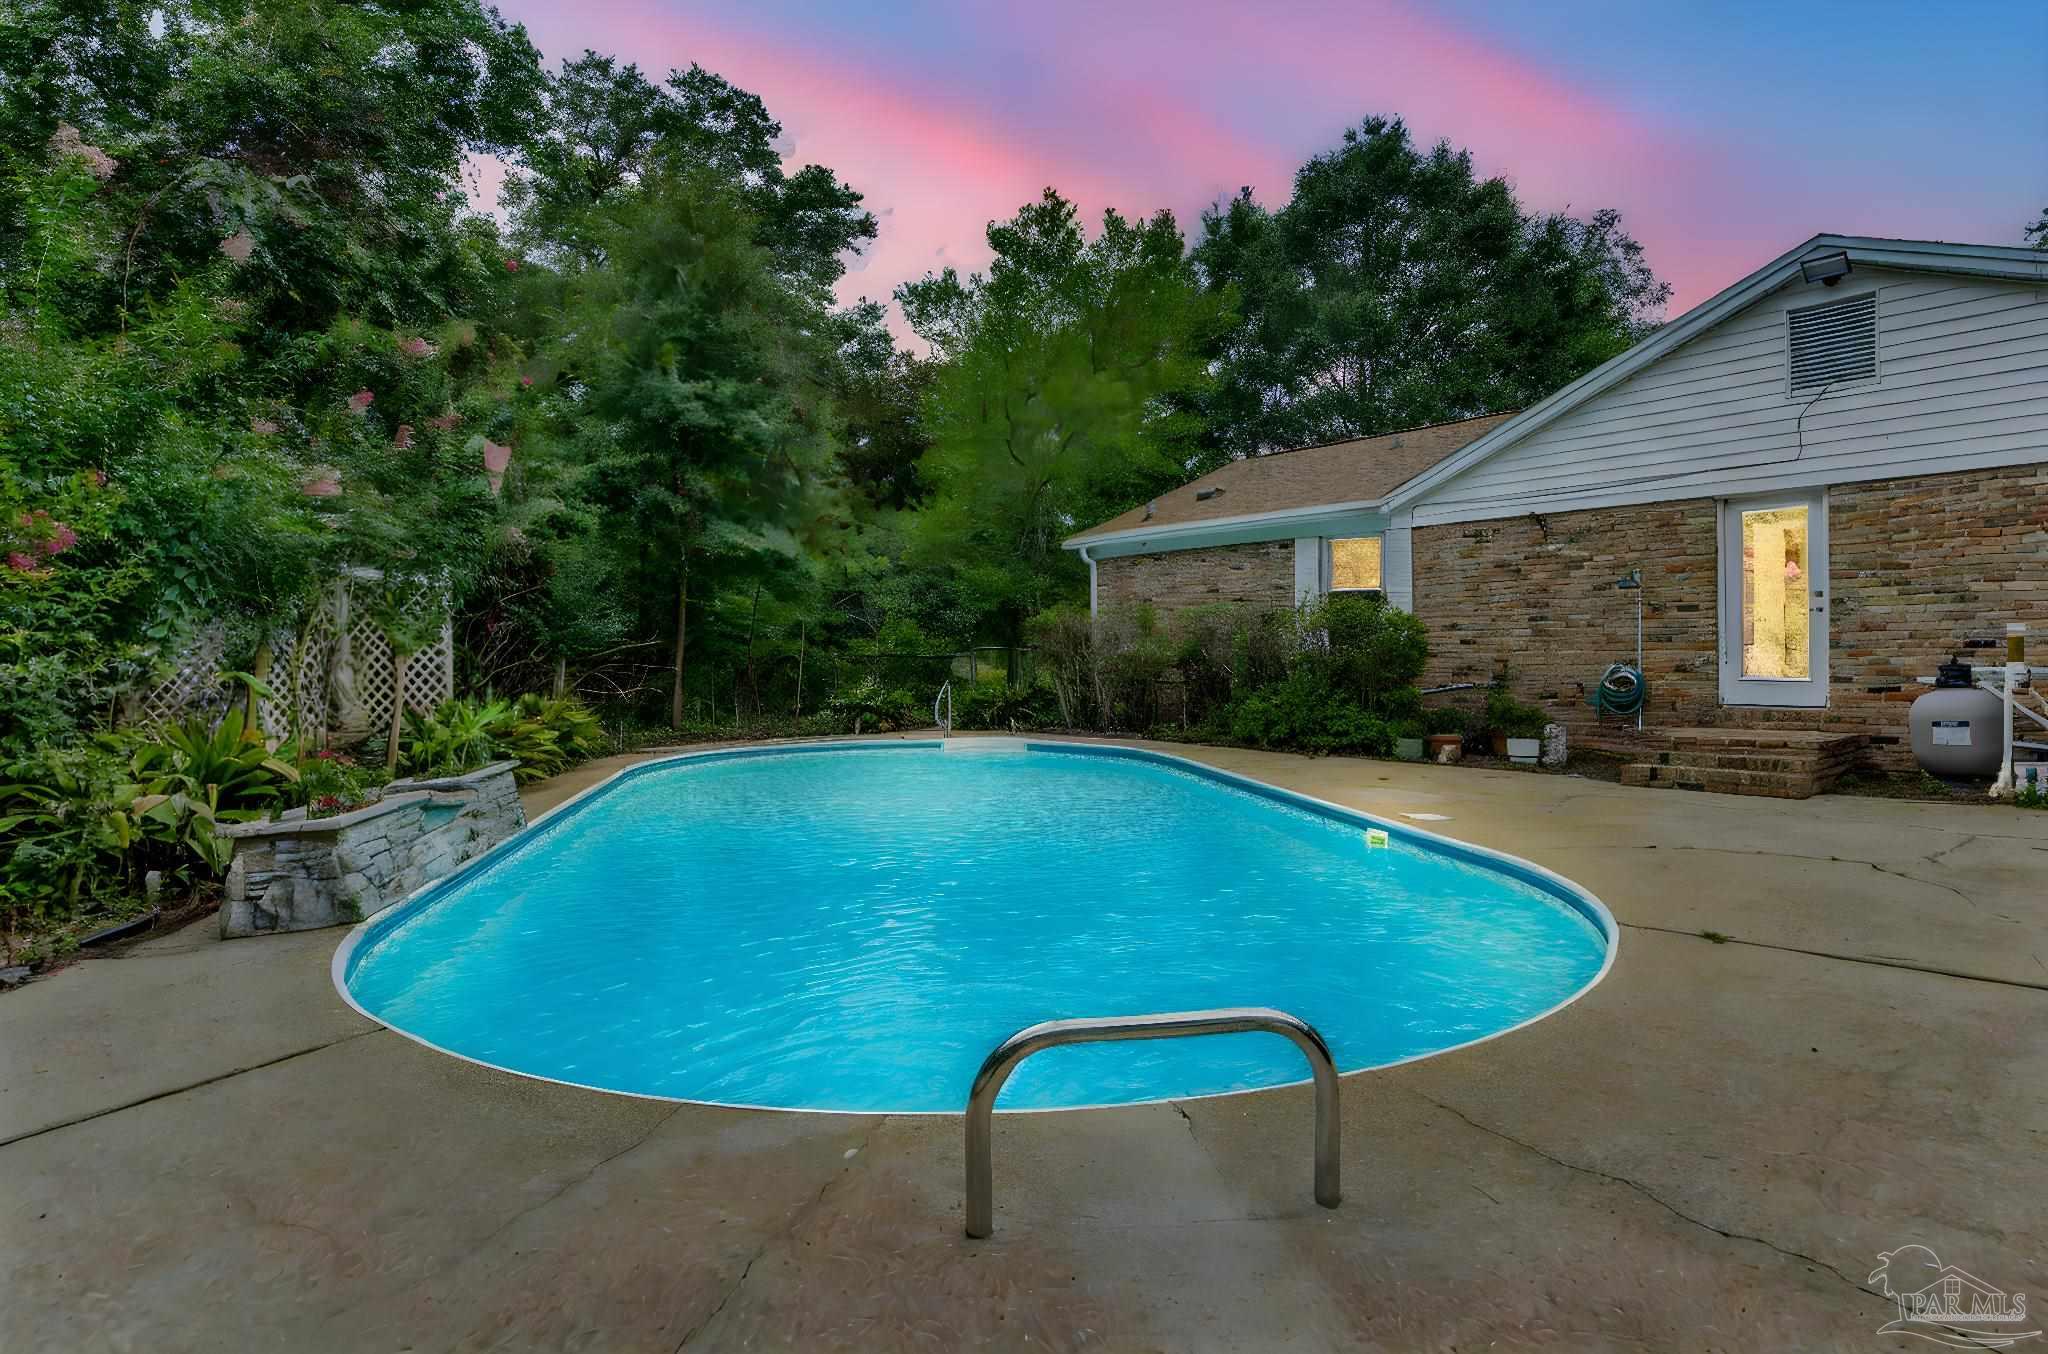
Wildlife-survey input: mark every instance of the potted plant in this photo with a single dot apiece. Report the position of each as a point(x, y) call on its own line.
point(1516, 729)
point(1408, 740)
point(1445, 734)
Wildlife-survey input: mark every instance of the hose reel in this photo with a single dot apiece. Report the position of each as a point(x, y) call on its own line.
point(1621, 690)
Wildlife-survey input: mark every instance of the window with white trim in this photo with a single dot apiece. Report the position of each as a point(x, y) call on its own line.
point(1352, 564)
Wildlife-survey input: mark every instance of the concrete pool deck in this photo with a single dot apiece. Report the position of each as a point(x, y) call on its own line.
point(202, 1147)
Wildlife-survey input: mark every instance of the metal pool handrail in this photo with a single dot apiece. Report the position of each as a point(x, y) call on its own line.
point(988, 1083)
point(946, 695)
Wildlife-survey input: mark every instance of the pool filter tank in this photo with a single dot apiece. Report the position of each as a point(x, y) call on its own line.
point(1958, 727)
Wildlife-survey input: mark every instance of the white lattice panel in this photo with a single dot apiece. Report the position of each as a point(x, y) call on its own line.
point(194, 686)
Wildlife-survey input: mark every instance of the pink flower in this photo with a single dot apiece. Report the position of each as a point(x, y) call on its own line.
point(262, 427)
point(511, 265)
point(525, 381)
point(326, 486)
point(403, 438)
point(443, 422)
point(239, 246)
point(416, 347)
point(20, 563)
point(62, 540)
point(66, 143)
point(360, 401)
point(98, 477)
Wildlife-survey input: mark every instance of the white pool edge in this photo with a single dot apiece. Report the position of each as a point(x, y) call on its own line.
point(1598, 913)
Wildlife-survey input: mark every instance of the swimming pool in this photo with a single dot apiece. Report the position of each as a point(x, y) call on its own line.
point(853, 926)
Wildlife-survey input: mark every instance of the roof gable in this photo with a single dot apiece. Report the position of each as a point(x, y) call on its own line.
point(2009, 263)
point(1360, 470)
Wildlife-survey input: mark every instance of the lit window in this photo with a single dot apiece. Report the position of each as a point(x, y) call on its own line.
point(1355, 564)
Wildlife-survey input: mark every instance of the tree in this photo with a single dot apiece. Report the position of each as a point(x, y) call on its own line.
point(706, 421)
point(2037, 234)
point(1397, 288)
point(1051, 409)
point(609, 129)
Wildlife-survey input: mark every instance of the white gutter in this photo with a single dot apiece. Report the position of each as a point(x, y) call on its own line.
point(1277, 517)
point(1082, 550)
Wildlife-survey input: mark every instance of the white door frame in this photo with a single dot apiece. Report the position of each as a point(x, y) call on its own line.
point(1810, 692)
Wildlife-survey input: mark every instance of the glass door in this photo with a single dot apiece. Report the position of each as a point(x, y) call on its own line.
point(1774, 601)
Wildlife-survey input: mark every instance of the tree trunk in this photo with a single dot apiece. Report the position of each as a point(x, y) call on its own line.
point(675, 700)
point(802, 635)
point(259, 669)
point(561, 678)
point(399, 659)
point(753, 678)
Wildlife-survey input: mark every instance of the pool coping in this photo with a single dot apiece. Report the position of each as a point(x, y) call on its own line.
point(1568, 892)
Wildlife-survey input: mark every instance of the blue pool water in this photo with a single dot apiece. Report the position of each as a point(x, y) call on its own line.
point(854, 928)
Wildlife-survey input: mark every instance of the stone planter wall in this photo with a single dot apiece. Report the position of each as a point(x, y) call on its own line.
point(299, 873)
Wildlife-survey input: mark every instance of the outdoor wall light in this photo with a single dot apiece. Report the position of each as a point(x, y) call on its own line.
point(1633, 580)
point(1827, 269)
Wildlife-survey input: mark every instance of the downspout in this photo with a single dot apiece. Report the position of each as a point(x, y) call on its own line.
point(1082, 551)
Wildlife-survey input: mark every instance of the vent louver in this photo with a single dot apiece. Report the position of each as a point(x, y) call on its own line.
point(1834, 343)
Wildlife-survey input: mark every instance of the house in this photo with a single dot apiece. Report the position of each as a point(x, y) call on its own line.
point(1829, 477)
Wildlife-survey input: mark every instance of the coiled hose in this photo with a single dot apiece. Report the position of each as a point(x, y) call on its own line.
point(1622, 690)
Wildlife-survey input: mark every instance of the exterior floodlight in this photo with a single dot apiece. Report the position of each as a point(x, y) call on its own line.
point(1634, 580)
point(1827, 269)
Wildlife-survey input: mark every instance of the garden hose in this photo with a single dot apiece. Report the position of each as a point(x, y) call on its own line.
point(1621, 690)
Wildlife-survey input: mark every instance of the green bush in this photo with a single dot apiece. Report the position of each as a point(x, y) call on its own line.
point(1445, 719)
point(867, 706)
point(1510, 718)
point(1303, 712)
point(461, 735)
point(1370, 650)
point(998, 705)
point(548, 735)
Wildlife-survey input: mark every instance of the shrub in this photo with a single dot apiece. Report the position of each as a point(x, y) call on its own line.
point(867, 704)
point(1445, 719)
point(331, 782)
point(459, 736)
point(998, 705)
point(548, 735)
point(1369, 649)
point(1510, 718)
point(1303, 712)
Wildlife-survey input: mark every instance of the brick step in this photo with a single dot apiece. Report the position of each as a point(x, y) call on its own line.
point(1804, 740)
point(1761, 759)
point(1715, 780)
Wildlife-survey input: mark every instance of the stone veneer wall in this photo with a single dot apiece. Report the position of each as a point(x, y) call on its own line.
point(1918, 568)
point(297, 874)
point(1260, 574)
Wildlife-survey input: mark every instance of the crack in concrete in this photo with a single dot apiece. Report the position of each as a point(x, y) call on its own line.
point(579, 1180)
point(796, 1220)
point(189, 1086)
point(1653, 1197)
point(1874, 961)
point(1935, 859)
point(1833, 860)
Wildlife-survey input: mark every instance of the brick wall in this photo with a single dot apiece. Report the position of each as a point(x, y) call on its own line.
point(1918, 568)
point(1261, 574)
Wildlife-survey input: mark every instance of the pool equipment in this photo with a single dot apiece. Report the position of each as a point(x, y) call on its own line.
point(1956, 727)
point(2010, 685)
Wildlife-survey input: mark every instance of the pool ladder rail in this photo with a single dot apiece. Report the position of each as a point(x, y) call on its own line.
point(996, 1069)
point(945, 697)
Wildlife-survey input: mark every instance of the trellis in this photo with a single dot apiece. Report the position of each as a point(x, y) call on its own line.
point(312, 700)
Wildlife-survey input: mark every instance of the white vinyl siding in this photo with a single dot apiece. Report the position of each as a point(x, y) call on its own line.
point(1963, 382)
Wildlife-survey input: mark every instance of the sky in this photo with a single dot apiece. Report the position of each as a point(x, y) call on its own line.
point(1724, 135)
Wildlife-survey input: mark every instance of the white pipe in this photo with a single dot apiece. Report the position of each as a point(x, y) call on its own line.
point(1082, 550)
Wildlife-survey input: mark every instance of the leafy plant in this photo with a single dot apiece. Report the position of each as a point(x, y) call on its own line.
point(1510, 718)
point(868, 705)
point(547, 735)
point(459, 736)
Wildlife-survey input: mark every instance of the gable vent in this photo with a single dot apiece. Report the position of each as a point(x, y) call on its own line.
point(1833, 343)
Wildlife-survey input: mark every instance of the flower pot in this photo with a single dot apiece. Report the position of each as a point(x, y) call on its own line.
point(1446, 747)
point(1524, 751)
point(1409, 749)
point(1500, 744)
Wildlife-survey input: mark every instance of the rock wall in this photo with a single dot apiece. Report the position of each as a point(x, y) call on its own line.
point(299, 873)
